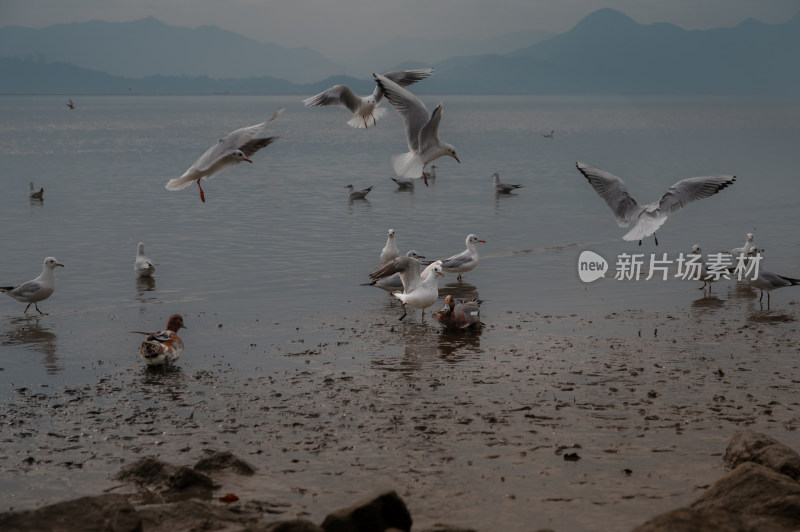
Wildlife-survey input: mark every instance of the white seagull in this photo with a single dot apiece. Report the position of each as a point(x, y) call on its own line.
point(365, 109)
point(503, 188)
point(232, 149)
point(422, 131)
point(35, 194)
point(357, 194)
point(648, 218)
point(464, 261)
point(38, 289)
point(390, 251)
point(768, 281)
point(143, 266)
point(704, 274)
point(420, 290)
point(748, 245)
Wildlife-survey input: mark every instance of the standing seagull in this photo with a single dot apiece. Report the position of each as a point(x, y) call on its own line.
point(143, 266)
point(422, 131)
point(748, 245)
point(365, 108)
point(503, 188)
point(234, 148)
point(390, 251)
point(464, 261)
point(35, 194)
point(770, 281)
point(420, 290)
point(649, 217)
point(38, 289)
point(163, 347)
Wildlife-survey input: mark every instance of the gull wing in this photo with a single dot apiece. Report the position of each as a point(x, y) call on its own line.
point(404, 78)
point(613, 191)
point(414, 113)
point(429, 134)
point(407, 267)
point(688, 190)
point(231, 142)
point(340, 95)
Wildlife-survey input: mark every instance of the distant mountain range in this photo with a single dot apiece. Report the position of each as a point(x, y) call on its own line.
point(606, 52)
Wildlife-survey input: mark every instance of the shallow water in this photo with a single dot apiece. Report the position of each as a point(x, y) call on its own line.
point(267, 275)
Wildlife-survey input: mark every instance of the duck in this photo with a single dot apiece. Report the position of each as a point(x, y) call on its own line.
point(163, 347)
point(460, 313)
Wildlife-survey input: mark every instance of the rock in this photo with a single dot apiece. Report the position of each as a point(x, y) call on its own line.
point(193, 515)
point(105, 513)
point(166, 478)
point(224, 461)
point(756, 491)
point(750, 446)
point(378, 514)
point(689, 520)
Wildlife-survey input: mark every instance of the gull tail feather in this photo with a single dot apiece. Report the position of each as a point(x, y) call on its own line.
point(408, 165)
point(358, 121)
point(645, 226)
point(180, 182)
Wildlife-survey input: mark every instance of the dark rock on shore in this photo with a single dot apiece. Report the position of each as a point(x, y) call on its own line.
point(88, 514)
point(224, 461)
point(386, 511)
point(761, 493)
point(168, 480)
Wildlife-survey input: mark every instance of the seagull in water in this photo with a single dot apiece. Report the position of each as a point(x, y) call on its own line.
point(38, 289)
point(35, 194)
point(768, 281)
point(460, 313)
point(402, 182)
point(704, 273)
point(503, 188)
point(390, 251)
point(748, 245)
point(464, 261)
point(648, 218)
point(549, 135)
point(422, 131)
point(163, 347)
point(70, 104)
point(420, 290)
point(365, 109)
point(357, 194)
point(143, 266)
point(232, 149)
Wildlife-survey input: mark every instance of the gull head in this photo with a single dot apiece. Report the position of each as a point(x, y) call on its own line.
point(52, 263)
point(696, 250)
point(473, 239)
point(750, 237)
point(451, 152)
point(414, 255)
point(496, 177)
point(239, 154)
point(391, 233)
point(437, 270)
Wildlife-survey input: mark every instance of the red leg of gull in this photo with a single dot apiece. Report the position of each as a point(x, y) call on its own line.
point(26, 308)
point(202, 195)
point(424, 176)
point(36, 306)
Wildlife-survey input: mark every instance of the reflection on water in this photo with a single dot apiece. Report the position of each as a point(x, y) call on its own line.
point(708, 302)
point(143, 285)
point(35, 202)
point(28, 332)
point(462, 290)
point(455, 346)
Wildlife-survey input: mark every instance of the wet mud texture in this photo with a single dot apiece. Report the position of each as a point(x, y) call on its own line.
point(558, 422)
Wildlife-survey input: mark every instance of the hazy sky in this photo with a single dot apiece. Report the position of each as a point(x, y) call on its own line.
point(341, 27)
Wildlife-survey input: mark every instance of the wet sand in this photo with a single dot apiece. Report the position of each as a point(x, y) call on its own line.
point(567, 422)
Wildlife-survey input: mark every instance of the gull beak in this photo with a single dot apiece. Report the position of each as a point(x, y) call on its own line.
point(457, 159)
point(59, 264)
point(248, 160)
point(484, 241)
point(441, 274)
